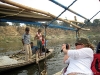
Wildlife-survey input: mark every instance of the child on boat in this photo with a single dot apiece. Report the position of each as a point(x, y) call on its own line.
point(26, 44)
point(43, 45)
point(34, 48)
point(38, 37)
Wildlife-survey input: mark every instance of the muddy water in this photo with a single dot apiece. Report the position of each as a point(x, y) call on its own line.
point(53, 64)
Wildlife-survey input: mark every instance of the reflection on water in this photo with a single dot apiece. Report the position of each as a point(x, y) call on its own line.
point(53, 64)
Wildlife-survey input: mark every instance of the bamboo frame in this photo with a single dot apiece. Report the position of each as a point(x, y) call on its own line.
point(40, 11)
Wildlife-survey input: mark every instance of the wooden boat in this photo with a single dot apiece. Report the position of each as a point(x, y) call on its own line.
point(21, 62)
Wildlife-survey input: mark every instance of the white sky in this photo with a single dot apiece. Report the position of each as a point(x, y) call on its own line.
point(86, 8)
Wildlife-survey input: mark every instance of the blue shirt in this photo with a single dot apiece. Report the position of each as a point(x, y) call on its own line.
point(34, 49)
point(26, 38)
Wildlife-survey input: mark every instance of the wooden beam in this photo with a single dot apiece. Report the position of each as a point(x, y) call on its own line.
point(76, 21)
point(22, 15)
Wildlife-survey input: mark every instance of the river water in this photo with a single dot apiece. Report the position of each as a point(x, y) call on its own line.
point(53, 64)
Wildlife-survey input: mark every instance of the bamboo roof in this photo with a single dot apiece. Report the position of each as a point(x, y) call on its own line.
point(10, 10)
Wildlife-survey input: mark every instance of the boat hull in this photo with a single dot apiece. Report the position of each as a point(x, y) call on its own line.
point(24, 63)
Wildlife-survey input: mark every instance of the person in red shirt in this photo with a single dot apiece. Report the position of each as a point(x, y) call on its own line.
point(43, 40)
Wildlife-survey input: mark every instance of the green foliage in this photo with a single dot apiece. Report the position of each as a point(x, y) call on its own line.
point(96, 22)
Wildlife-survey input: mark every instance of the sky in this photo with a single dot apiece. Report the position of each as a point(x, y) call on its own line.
point(86, 8)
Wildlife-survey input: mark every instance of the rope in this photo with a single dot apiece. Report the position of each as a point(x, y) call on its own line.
point(62, 12)
point(94, 15)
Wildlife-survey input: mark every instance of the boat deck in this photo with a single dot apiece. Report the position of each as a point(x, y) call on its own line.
point(20, 57)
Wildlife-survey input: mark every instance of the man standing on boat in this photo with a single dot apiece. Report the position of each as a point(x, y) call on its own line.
point(26, 44)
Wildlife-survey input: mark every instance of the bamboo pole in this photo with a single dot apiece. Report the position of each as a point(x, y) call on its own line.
point(26, 14)
point(39, 11)
point(76, 21)
point(77, 32)
point(23, 6)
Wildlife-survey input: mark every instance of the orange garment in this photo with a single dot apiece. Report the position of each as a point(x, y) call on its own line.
point(43, 41)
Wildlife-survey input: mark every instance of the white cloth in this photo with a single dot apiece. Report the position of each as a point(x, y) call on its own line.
point(80, 61)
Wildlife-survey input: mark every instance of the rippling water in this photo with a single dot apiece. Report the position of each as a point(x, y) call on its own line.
point(53, 64)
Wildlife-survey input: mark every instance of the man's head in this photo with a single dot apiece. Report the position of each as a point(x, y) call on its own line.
point(39, 30)
point(27, 30)
point(31, 43)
